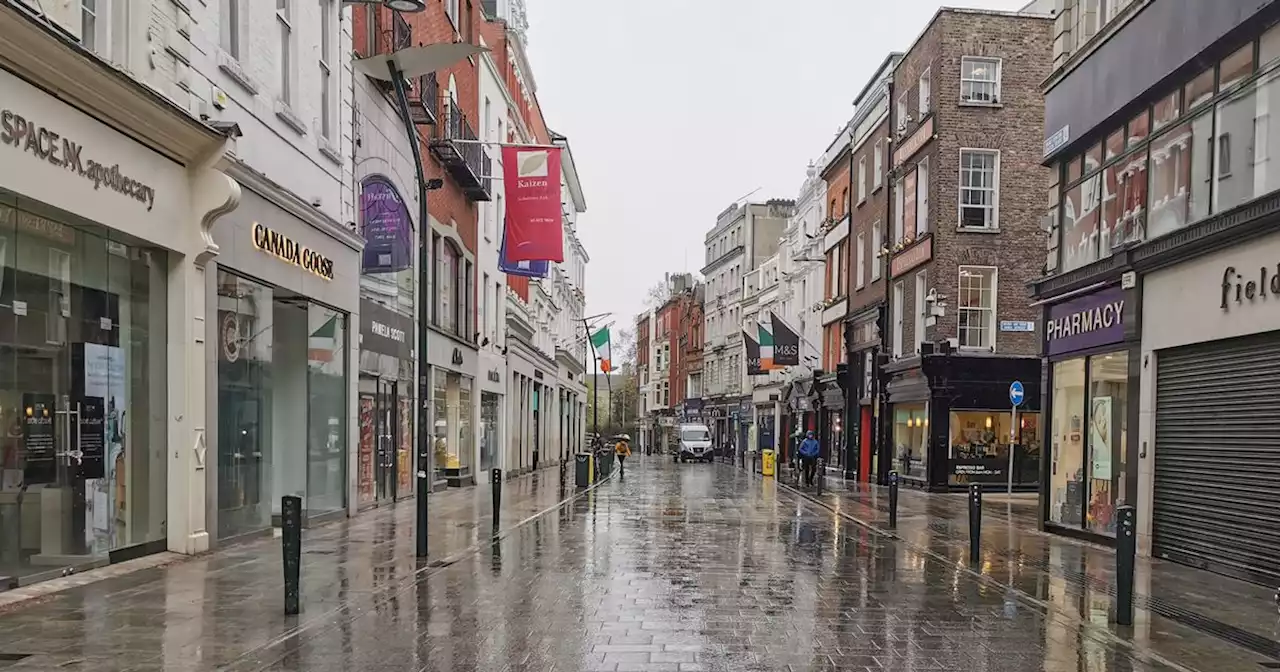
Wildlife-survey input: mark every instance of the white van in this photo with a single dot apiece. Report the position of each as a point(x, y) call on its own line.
point(695, 442)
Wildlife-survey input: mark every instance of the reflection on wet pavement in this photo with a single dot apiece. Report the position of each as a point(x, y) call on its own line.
point(675, 567)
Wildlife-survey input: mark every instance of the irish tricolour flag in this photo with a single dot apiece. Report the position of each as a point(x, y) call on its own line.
point(600, 341)
point(766, 348)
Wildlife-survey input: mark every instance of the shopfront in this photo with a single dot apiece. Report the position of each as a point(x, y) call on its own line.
point(492, 393)
point(1209, 379)
point(802, 402)
point(831, 421)
point(281, 303)
point(951, 422)
point(1088, 472)
point(97, 238)
point(453, 402)
point(385, 405)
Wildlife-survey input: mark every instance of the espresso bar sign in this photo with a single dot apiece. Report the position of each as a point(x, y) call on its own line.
point(44, 143)
point(286, 249)
point(1086, 322)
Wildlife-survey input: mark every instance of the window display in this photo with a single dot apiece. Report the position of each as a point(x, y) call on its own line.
point(451, 419)
point(1087, 472)
point(1066, 478)
point(326, 410)
point(82, 333)
point(980, 442)
point(911, 439)
point(1108, 411)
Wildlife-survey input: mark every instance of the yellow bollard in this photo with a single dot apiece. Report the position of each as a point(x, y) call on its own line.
point(766, 462)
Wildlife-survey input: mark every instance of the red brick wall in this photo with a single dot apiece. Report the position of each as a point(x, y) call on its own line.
point(866, 215)
point(1015, 127)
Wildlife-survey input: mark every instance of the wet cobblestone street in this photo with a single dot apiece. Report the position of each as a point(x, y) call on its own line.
point(675, 567)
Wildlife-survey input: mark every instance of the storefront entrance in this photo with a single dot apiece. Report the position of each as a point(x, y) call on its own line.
point(82, 392)
point(380, 423)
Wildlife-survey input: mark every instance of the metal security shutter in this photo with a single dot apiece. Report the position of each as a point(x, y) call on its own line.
point(1217, 457)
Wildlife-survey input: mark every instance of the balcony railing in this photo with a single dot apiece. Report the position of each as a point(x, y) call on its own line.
point(456, 147)
point(424, 101)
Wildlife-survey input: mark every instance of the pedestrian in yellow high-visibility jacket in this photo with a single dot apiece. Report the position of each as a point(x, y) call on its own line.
point(623, 450)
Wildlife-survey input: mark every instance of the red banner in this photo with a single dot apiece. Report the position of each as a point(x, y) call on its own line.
point(534, 220)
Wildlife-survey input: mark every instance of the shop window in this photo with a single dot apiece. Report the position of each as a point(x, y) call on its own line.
point(1139, 127)
point(1236, 68)
point(1179, 176)
point(979, 446)
point(1269, 47)
point(451, 423)
point(922, 197)
point(977, 307)
point(1124, 199)
point(1080, 216)
point(101, 383)
point(1073, 169)
point(911, 439)
point(1114, 145)
point(1199, 90)
point(245, 424)
point(1067, 492)
point(1242, 123)
point(1166, 111)
point(1107, 422)
point(1093, 158)
point(326, 485)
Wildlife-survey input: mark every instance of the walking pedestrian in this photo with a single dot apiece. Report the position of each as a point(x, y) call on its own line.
point(623, 450)
point(809, 451)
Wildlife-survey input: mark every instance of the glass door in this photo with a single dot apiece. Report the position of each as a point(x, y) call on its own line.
point(387, 422)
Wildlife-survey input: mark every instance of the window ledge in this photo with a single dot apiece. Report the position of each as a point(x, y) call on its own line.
point(969, 103)
point(229, 65)
point(972, 229)
point(328, 150)
point(289, 117)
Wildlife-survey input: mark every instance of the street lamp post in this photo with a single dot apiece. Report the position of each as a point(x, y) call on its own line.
point(394, 68)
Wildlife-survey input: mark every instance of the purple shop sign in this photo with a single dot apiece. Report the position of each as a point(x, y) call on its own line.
point(1089, 321)
point(386, 227)
point(527, 269)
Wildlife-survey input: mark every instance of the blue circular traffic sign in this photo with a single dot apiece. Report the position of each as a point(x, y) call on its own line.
point(1016, 393)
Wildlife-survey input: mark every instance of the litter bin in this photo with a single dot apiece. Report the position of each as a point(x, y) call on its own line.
point(606, 464)
point(582, 470)
point(766, 462)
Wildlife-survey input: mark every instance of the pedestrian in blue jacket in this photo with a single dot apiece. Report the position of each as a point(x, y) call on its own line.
point(809, 451)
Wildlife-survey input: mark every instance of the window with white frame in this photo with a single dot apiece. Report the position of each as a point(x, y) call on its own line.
point(861, 280)
point(328, 37)
point(877, 166)
point(979, 188)
point(862, 179)
point(979, 80)
point(877, 243)
point(922, 306)
point(976, 307)
point(230, 27)
point(926, 92)
point(922, 196)
point(899, 202)
point(904, 114)
point(284, 23)
point(899, 307)
point(89, 24)
point(451, 10)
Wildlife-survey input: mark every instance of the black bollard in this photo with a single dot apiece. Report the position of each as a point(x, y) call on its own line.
point(893, 500)
point(822, 474)
point(975, 520)
point(1126, 553)
point(496, 480)
point(291, 544)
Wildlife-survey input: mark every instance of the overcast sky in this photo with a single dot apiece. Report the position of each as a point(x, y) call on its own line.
point(675, 108)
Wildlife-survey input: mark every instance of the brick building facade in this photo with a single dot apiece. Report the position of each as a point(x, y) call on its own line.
point(966, 194)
